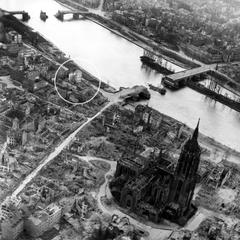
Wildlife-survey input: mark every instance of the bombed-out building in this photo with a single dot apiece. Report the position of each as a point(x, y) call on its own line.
point(153, 189)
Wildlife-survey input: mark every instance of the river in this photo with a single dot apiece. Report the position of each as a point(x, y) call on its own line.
point(117, 61)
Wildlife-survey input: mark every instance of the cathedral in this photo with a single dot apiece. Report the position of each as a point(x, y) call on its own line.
point(154, 190)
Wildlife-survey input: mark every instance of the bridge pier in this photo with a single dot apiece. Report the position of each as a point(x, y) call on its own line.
point(194, 78)
point(25, 16)
point(75, 16)
point(59, 15)
point(183, 82)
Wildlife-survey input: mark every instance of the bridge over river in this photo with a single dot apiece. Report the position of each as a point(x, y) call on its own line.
point(25, 16)
point(75, 14)
point(179, 79)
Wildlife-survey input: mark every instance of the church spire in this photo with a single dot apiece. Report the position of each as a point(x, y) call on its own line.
point(192, 143)
point(195, 133)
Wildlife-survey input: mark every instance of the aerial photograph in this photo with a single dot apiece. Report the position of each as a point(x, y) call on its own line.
point(119, 119)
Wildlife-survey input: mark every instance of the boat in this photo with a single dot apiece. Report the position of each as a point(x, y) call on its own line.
point(43, 16)
point(154, 65)
point(159, 89)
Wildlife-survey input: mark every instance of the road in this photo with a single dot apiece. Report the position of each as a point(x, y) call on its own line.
point(114, 98)
point(55, 153)
point(101, 5)
point(160, 232)
point(191, 72)
point(155, 233)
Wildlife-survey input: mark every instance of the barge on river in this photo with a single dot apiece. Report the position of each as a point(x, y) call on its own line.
point(157, 63)
point(162, 90)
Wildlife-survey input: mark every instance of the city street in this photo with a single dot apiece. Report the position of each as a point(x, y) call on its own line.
point(54, 154)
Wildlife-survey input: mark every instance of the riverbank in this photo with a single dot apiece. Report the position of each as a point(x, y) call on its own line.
point(177, 58)
point(145, 44)
point(135, 38)
point(185, 102)
point(204, 140)
point(73, 5)
point(40, 43)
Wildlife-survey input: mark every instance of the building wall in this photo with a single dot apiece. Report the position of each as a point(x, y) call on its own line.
point(129, 199)
point(10, 232)
point(183, 185)
point(36, 230)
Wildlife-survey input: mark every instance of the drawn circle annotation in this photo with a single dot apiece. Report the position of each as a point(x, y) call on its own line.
point(67, 100)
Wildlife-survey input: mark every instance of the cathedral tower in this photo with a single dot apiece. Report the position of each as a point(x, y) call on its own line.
point(185, 175)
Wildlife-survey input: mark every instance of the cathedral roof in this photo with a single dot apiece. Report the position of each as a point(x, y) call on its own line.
point(137, 162)
point(140, 182)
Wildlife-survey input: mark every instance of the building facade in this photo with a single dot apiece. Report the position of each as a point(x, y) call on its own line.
point(11, 220)
point(43, 220)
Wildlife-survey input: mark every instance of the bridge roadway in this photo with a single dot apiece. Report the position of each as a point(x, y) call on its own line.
point(25, 15)
point(176, 80)
point(75, 14)
point(72, 12)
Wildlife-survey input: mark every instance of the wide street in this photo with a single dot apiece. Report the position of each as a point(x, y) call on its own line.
point(55, 153)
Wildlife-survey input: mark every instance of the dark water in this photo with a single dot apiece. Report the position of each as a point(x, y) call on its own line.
point(117, 62)
point(214, 86)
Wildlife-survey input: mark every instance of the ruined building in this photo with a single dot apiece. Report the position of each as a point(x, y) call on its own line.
point(2, 31)
point(150, 188)
point(11, 219)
